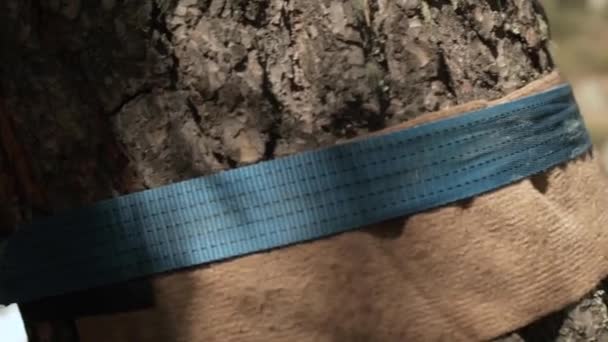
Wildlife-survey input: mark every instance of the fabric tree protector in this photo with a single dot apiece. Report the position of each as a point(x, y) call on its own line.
point(293, 199)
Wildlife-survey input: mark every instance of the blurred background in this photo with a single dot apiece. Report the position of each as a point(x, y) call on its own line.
point(579, 30)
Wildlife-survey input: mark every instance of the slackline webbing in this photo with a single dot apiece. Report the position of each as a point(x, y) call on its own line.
point(293, 199)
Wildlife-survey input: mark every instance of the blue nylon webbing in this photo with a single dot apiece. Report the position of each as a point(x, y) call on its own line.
point(293, 199)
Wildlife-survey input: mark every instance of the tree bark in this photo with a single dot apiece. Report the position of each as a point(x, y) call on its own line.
point(108, 97)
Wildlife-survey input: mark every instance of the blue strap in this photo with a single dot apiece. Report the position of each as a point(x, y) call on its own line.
point(289, 200)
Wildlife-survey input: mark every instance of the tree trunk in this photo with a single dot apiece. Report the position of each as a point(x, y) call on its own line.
point(108, 97)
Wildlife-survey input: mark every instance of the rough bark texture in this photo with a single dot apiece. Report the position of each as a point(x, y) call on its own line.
point(106, 97)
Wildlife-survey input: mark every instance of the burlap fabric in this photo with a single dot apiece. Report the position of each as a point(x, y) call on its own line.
point(465, 272)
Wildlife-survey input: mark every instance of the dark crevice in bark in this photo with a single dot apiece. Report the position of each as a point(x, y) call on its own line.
point(374, 51)
point(416, 12)
point(438, 3)
point(273, 132)
point(550, 62)
point(378, 41)
point(493, 78)
point(491, 45)
point(196, 115)
point(286, 17)
point(225, 160)
point(241, 65)
point(254, 12)
point(444, 75)
point(538, 8)
point(223, 8)
point(197, 19)
point(354, 115)
point(496, 5)
point(533, 53)
point(465, 12)
point(349, 42)
point(203, 5)
point(129, 99)
point(534, 56)
point(159, 23)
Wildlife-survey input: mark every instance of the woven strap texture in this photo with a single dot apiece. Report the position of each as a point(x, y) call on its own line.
point(294, 199)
